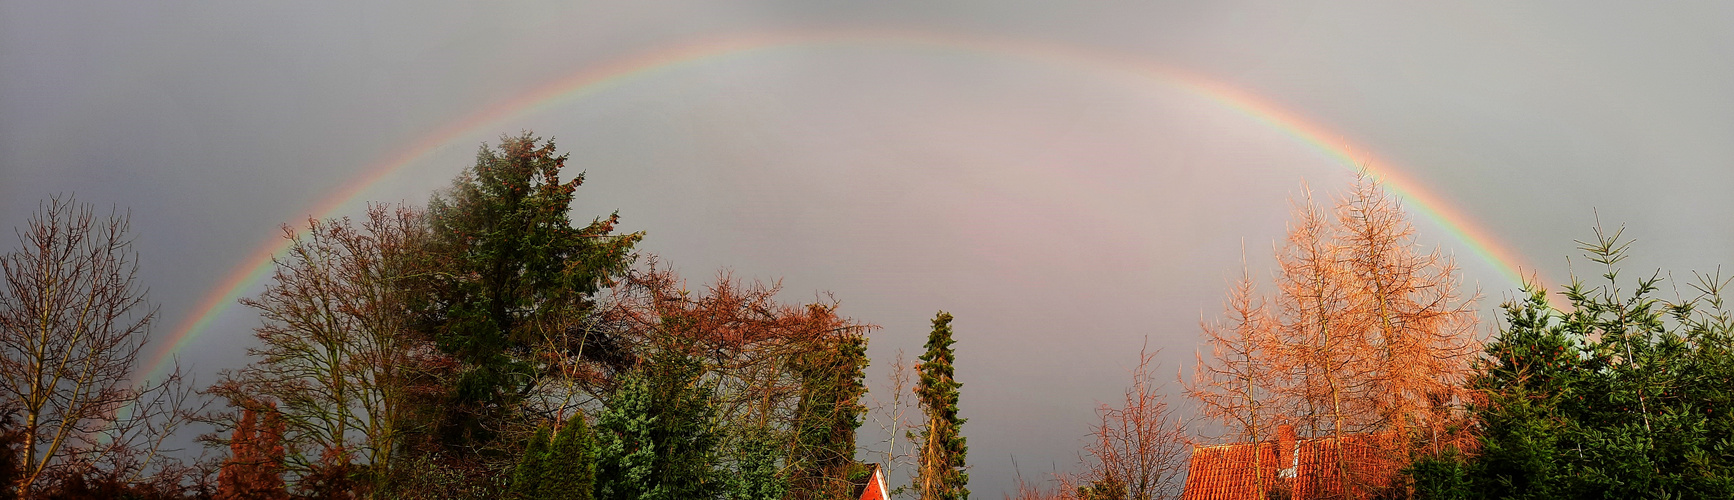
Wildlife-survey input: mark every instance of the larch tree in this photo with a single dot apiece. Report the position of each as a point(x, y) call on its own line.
point(942, 469)
point(1368, 336)
point(1236, 385)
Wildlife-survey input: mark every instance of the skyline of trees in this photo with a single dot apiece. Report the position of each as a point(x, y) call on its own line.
point(488, 347)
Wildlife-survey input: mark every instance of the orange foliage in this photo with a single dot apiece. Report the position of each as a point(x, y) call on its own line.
point(1368, 335)
point(254, 469)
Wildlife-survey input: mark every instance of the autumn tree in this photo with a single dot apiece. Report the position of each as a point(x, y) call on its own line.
point(338, 357)
point(786, 374)
point(73, 319)
point(514, 272)
point(1138, 450)
point(1237, 385)
point(941, 473)
point(254, 469)
point(1368, 335)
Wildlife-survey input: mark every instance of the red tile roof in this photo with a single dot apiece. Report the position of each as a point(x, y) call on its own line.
point(1227, 472)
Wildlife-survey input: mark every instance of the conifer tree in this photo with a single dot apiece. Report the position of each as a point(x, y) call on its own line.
point(832, 383)
point(532, 467)
point(941, 471)
point(570, 470)
point(513, 262)
point(656, 439)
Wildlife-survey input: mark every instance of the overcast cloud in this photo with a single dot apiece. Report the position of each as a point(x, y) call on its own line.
point(1063, 216)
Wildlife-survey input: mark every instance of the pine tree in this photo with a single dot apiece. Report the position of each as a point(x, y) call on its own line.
point(941, 462)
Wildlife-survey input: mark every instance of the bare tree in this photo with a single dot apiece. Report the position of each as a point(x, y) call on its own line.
point(338, 356)
point(892, 415)
point(73, 319)
point(1139, 448)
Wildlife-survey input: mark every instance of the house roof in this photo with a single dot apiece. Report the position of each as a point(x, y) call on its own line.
point(1236, 471)
point(874, 487)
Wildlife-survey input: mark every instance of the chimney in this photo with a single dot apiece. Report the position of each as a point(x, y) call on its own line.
point(1285, 450)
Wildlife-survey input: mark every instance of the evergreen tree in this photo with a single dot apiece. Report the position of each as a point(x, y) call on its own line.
point(941, 462)
point(756, 474)
point(833, 380)
point(1625, 396)
point(533, 467)
point(570, 471)
point(656, 439)
point(512, 261)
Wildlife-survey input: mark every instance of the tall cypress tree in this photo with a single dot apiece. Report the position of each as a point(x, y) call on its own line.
point(941, 464)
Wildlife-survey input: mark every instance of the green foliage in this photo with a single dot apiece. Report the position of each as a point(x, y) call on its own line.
point(656, 438)
point(533, 467)
point(942, 463)
point(833, 380)
point(1625, 396)
point(511, 261)
point(1440, 477)
point(570, 470)
point(756, 473)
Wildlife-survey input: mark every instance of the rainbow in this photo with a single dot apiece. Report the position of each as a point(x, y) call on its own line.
point(259, 264)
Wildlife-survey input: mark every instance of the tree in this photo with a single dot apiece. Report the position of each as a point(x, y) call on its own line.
point(73, 319)
point(533, 466)
point(941, 473)
point(515, 272)
point(1237, 385)
point(570, 473)
point(657, 439)
point(338, 357)
point(254, 469)
point(1626, 395)
point(832, 383)
point(1367, 335)
point(1138, 450)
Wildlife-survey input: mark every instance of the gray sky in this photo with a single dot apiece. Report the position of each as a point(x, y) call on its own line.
point(1062, 213)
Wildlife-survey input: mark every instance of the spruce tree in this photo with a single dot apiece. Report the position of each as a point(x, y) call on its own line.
point(1625, 395)
point(941, 463)
point(657, 438)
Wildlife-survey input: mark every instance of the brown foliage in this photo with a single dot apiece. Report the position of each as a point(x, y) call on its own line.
point(1369, 335)
point(254, 468)
point(743, 336)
